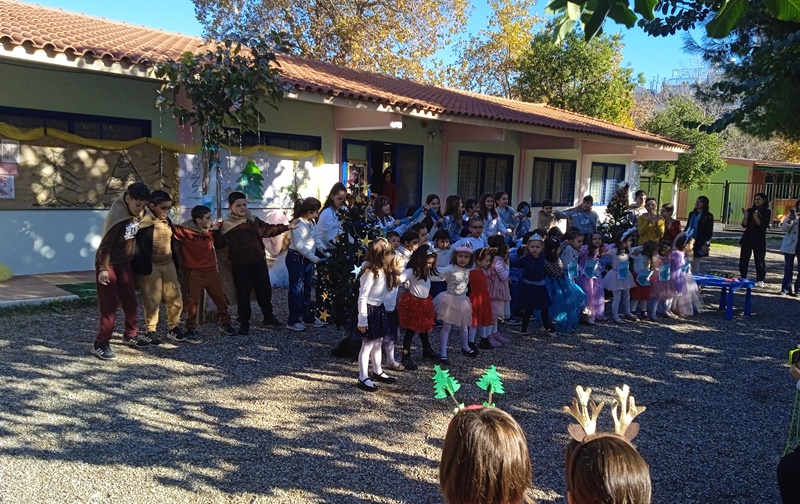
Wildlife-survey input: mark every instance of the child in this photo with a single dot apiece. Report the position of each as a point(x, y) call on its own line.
point(196, 236)
point(523, 222)
point(570, 259)
point(470, 208)
point(244, 236)
point(383, 213)
point(482, 316)
point(619, 279)
point(687, 293)
point(663, 284)
point(415, 307)
point(487, 211)
point(507, 217)
point(422, 232)
point(672, 227)
point(545, 219)
point(300, 261)
point(568, 300)
point(499, 292)
point(588, 280)
point(390, 305)
point(394, 240)
point(112, 263)
point(485, 454)
point(409, 241)
point(432, 213)
point(154, 264)
point(443, 255)
point(533, 292)
point(451, 222)
point(475, 238)
point(642, 272)
point(452, 306)
point(372, 326)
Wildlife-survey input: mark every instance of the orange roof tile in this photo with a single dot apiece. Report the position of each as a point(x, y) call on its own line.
point(67, 32)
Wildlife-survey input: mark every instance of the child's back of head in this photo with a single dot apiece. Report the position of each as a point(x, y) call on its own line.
point(607, 470)
point(485, 459)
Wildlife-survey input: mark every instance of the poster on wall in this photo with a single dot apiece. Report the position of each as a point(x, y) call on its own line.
point(9, 151)
point(7, 186)
point(8, 168)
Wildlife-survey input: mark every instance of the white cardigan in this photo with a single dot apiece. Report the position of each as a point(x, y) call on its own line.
point(789, 242)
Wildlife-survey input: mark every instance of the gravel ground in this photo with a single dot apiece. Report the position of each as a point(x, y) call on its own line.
point(274, 418)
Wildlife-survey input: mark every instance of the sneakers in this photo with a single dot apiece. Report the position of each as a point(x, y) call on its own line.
point(430, 354)
point(141, 341)
point(176, 335)
point(227, 330)
point(485, 344)
point(496, 343)
point(408, 363)
point(191, 336)
point(297, 326)
point(244, 328)
point(317, 323)
point(395, 366)
point(760, 284)
point(784, 293)
point(272, 322)
point(153, 338)
point(502, 338)
point(103, 351)
point(513, 321)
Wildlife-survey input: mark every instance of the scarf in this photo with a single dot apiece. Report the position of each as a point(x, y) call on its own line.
point(118, 212)
point(231, 221)
point(190, 224)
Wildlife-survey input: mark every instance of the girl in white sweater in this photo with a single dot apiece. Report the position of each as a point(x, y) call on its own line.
point(300, 260)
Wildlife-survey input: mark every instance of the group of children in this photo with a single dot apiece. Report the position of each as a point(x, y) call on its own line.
point(471, 281)
point(142, 248)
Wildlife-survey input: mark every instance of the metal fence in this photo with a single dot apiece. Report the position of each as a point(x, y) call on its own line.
point(738, 195)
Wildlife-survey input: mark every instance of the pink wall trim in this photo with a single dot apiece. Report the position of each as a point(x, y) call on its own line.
point(444, 168)
point(452, 132)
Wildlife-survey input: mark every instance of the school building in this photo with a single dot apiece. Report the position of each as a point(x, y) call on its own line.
point(78, 121)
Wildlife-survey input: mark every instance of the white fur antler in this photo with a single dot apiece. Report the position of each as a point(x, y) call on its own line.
point(629, 411)
point(581, 411)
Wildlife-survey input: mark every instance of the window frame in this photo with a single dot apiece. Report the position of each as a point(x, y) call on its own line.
point(48, 117)
point(483, 156)
point(263, 137)
point(549, 193)
point(604, 180)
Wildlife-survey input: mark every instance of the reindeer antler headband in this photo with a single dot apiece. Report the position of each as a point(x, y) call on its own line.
point(623, 412)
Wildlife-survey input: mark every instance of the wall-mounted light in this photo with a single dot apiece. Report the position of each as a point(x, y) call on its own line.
point(396, 124)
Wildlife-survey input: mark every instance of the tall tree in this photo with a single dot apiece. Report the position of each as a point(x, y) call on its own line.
point(395, 37)
point(693, 168)
point(584, 77)
point(489, 61)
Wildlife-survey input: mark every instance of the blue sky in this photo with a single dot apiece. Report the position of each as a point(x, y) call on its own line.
point(656, 58)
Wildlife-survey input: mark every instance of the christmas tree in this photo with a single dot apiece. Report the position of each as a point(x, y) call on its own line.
point(618, 214)
point(337, 288)
point(251, 182)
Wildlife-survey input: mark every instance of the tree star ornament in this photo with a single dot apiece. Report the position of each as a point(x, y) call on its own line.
point(365, 241)
point(356, 270)
point(324, 315)
point(325, 296)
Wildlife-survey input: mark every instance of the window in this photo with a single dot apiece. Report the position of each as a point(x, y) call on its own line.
point(479, 173)
point(554, 180)
point(87, 126)
point(283, 140)
point(605, 180)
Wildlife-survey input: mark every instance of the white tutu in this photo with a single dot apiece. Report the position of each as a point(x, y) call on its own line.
point(278, 274)
point(453, 309)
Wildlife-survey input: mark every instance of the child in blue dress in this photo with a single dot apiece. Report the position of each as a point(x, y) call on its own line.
point(533, 293)
point(568, 300)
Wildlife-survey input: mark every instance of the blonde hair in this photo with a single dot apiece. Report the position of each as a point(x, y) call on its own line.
point(485, 459)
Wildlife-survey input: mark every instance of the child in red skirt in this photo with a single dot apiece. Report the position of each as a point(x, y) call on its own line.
point(415, 306)
point(482, 315)
point(641, 267)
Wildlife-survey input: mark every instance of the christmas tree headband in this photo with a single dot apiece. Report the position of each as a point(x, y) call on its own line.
point(446, 386)
point(535, 237)
point(623, 412)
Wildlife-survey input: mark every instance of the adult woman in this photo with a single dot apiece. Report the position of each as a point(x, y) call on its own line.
point(328, 226)
point(672, 227)
point(388, 188)
point(700, 226)
point(755, 221)
point(650, 224)
point(433, 203)
point(790, 247)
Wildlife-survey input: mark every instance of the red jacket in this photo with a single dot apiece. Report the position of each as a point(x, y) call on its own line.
point(197, 249)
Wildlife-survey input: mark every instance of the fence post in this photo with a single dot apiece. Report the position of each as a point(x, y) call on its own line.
point(725, 201)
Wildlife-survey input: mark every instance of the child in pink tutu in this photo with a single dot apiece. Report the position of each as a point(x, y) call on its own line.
point(482, 316)
point(687, 295)
point(589, 276)
point(453, 307)
point(499, 291)
point(415, 306)
point(619, 279)
point(663, 282)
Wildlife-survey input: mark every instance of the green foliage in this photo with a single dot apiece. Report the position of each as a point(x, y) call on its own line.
point(395, 37)
point(337, 281)
point(583, 77)
point(680, 121)
point(224, 83)
point(251, 182)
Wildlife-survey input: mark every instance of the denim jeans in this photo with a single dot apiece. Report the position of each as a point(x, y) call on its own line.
point(788, 270)
point(301, 271)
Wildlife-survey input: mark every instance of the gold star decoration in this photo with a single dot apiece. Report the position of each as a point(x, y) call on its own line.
point(324, 315)
point(365, 241)
point(359, 253)
point(325, 296)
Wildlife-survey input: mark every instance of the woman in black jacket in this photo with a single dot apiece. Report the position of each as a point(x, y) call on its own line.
point(755, 221)
point(700, 226)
